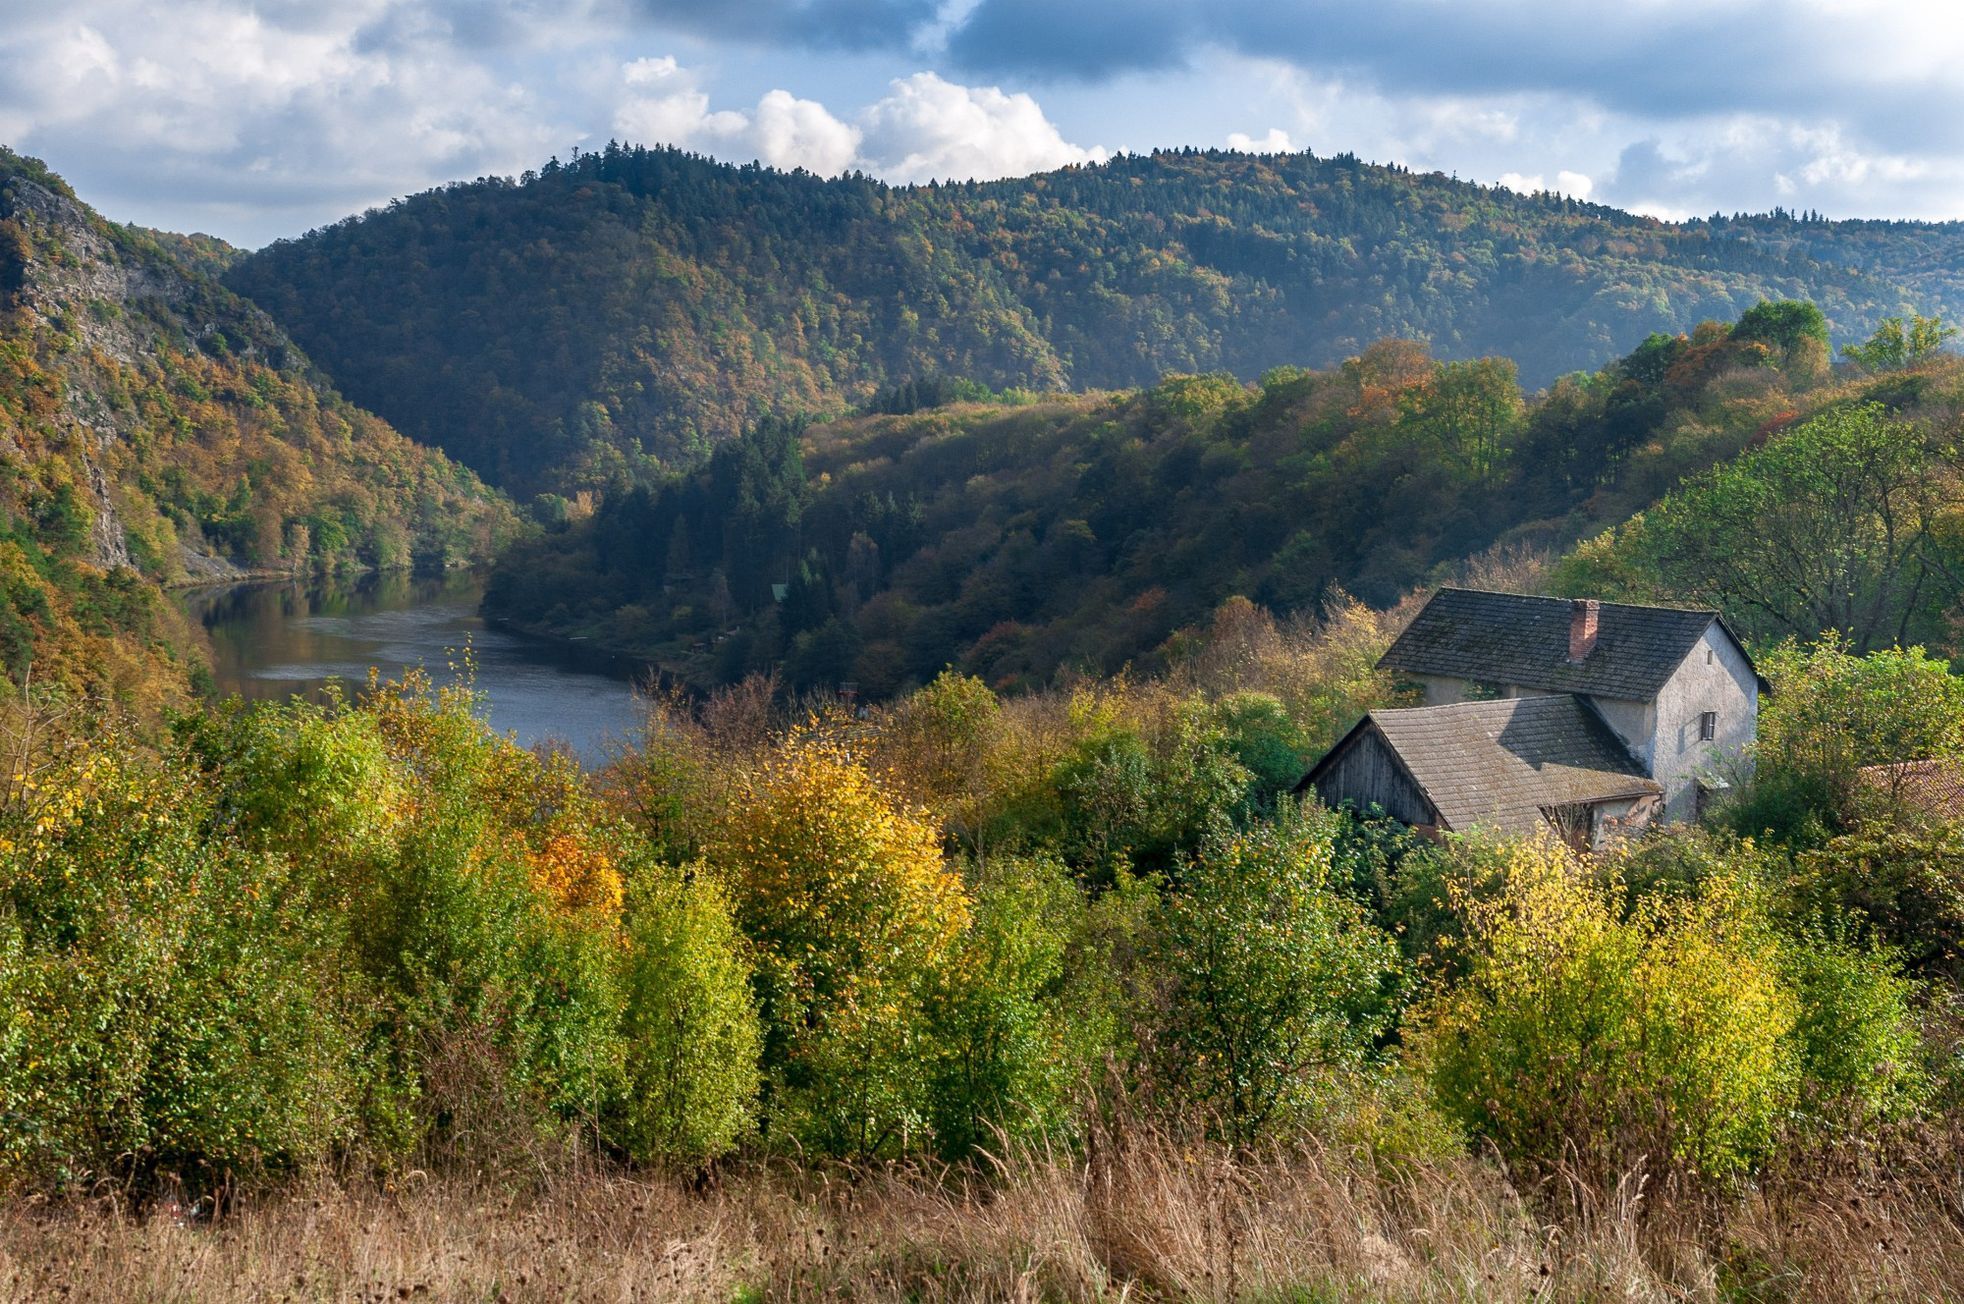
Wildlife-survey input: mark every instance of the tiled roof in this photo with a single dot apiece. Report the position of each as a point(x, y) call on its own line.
point(1934, 787)
point(1510, 638)
point(1501, 763)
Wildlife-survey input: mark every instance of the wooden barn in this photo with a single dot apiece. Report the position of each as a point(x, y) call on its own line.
point(1511, 765)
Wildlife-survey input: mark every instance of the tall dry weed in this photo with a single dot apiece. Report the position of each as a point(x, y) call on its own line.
point(1139, 1214)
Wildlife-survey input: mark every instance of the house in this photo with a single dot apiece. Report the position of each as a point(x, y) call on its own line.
point(1592, 718)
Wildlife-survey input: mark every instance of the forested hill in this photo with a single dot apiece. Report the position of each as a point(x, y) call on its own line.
point(553, 332)
point(1925, 259)
point(156, 427)
point(1085, 533)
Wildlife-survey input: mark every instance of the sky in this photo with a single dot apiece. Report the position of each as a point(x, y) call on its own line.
point(256, 119)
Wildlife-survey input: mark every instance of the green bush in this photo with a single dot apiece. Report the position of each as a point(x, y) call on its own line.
point(1859, 1043)
point(1129, 800)
point(170, 1002)
point(851, 912)
point(426, 838)
point(1260, 736)
point(1015, 1033)
point(1277, 975)
point(1902, 884)
point(689, 1023)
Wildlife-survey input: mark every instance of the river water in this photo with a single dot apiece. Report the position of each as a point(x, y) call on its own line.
point(271, 640)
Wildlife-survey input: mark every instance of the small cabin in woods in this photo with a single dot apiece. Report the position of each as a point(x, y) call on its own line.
point(1593, 719)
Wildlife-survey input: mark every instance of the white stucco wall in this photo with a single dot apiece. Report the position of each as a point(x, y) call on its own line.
point(1635, 723)
point(1715, 676)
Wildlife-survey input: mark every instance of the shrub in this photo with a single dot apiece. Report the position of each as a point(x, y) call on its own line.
point(1015, 1032)
point(170, 1002)
point(1276, 974)
point(689, 1022)
point(1142, 793)
point(937, 744)
point(1580, 1032)
point(851, 912)
point(1859, 1045)
point(467, 888)
point(1260, 736)
point(1833, 712)
point(1901, 884)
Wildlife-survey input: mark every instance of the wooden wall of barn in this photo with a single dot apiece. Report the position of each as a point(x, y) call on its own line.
point(1365, 774)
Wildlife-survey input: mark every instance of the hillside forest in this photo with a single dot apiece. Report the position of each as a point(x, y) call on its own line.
point(155, 428)
point(1084, 535)
point(618, 315)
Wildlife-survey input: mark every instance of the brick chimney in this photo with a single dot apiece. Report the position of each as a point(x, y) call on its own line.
point(1583, 615)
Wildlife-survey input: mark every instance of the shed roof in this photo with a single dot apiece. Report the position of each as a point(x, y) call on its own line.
point(1511, 638)
point(1503, 763)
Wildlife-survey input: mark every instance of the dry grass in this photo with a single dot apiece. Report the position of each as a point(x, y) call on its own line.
point(1149, 1219)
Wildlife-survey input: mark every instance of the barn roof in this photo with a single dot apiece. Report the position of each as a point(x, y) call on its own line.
point(1511, 638)
point(1502, 763)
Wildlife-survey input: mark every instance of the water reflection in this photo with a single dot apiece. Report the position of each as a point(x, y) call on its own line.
point(273, 640)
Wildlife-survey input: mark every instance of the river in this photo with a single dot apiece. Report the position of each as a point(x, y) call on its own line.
point(272, 640)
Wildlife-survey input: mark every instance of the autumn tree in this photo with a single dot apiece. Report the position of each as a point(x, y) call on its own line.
point(1588, 1035)
point(1278, 977)
point(1471, 409)
point(850, 912)
point(1782, 324)
point(1831, 713)
point(1897, 344)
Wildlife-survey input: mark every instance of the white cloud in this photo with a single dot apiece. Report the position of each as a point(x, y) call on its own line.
point(924, 128)
point(225, 117)
point(1704, 168)
point(795, 133)
point(257, 118)
point(1275, 142)
point(666, 107)
point(1576, 185)
point(650, 72)
point(927, 128)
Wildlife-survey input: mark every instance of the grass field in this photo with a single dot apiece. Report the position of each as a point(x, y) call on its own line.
point(1128, 1218)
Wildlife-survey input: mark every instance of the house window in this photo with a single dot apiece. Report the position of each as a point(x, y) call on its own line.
point(1707, 726)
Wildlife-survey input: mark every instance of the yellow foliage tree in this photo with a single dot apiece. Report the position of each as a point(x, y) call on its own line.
point(851, 910)
point(573, 868)
point(1585, 1034)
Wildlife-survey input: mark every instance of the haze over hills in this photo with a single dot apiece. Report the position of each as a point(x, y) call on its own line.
point(155, 427)
point(619, 315)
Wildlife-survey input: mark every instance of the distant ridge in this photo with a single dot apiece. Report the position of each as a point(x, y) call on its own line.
point(636, 306)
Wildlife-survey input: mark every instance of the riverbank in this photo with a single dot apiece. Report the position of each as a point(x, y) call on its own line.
point(219, 574)
point(648, 669)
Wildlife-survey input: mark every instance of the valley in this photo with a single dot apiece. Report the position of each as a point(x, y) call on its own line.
point(1201, 725)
